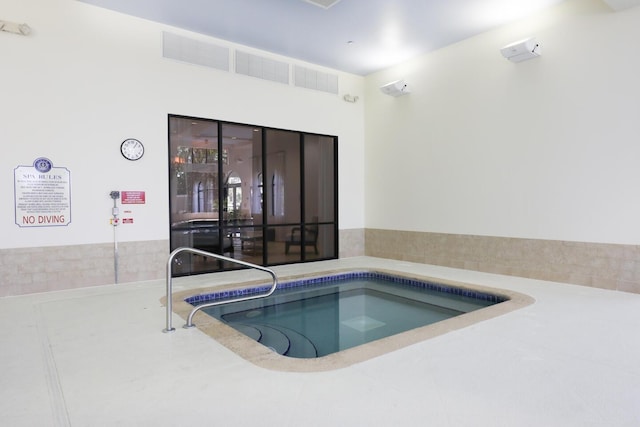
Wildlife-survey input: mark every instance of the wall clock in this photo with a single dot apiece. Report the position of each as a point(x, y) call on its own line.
point(132, 149)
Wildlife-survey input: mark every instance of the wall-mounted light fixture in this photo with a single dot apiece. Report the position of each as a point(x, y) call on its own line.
point(521, 50)
point(350, 98)
point(15, 28)
point(396, 88)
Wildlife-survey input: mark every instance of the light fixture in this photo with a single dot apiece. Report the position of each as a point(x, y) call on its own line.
point(395, 88)
point(350, 98)
point(15, 28)
point(521, 50)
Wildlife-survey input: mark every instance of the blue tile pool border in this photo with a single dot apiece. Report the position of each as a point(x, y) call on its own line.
point(314, 281)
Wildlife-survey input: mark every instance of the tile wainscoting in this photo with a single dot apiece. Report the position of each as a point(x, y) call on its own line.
point(54, 268)
point(607, 266)
point(351, 243)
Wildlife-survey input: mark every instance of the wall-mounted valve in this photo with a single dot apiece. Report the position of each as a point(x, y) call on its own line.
point(115, 195)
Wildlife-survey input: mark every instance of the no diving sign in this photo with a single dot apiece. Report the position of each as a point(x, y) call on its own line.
point(42, 194)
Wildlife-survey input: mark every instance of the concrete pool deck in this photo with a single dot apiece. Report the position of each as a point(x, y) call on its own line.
point(97, 357)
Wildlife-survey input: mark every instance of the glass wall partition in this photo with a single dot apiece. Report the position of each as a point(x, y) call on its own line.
point(320, 208)
point(262, 195)
point(283, 188)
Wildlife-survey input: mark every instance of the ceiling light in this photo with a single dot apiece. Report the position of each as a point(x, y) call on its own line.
point(396, 88)
point(521, 50)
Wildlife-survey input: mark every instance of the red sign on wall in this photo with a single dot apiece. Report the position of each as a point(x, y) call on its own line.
point(132, 198)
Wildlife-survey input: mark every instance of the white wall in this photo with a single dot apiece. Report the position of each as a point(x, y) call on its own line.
point(88, 78)
point(547, 148)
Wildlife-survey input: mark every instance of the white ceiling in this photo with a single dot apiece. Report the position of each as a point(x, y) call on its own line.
point(356, 36)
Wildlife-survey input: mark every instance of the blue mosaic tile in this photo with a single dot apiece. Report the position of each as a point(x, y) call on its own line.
point(428, 285)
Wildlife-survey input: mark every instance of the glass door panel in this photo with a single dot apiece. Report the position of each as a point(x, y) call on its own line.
point(194, 192)
point(282, 186)
point(242, 206)
point(282, 180)
point(319, 178)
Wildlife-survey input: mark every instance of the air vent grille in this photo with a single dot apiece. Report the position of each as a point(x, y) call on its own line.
point(210, 55)
point(317, 80)
point(262, 68)
point(325, 4)
point(618, 5)
point(194, 51)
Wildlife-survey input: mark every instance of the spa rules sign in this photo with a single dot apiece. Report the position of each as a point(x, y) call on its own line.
point(42, 194)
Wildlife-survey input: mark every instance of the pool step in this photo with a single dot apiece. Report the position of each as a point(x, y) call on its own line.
point(250, 331)
point(273, 338)
point(282, 340)
point(300, 346)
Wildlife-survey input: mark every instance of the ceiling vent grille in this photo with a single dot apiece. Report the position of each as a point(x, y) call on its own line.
point(317, 80)
point(325, 4)
point(195, 52)
point(261, 67)
point(618, 5)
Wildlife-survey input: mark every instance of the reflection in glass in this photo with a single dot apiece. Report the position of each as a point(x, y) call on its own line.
point(282, 180)
point(261, 195)
point(319, 178)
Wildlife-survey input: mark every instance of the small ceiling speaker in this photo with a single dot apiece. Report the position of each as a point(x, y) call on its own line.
point(396, 88)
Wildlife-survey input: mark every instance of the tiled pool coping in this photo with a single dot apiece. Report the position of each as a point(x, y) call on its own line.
point(259, 355)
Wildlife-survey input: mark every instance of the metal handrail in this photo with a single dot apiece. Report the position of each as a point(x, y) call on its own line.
point(190, 324)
